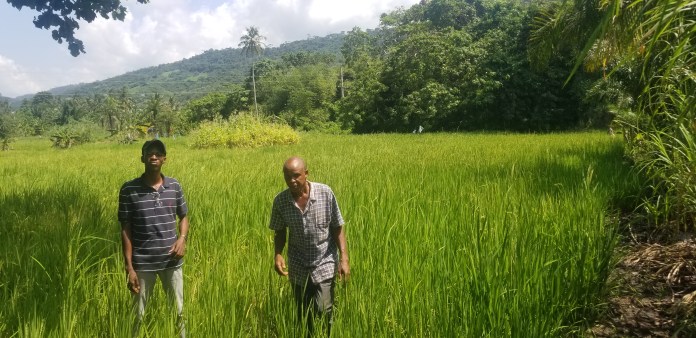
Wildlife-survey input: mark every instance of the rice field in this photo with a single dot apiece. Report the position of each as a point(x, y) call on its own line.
point(449, 235)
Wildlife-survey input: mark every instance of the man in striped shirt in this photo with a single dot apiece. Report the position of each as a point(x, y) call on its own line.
point(148, 207)
point(309, 212)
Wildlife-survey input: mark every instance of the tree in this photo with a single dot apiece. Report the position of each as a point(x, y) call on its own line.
point(7, 125)
point(153, 108)
point(45, 109)
point(252, 44)
point(63, 15)
point(7, 130)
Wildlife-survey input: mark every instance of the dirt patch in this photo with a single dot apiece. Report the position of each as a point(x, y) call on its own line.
point(653, 288)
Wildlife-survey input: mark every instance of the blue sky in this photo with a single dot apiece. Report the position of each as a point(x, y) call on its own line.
point(164, 31)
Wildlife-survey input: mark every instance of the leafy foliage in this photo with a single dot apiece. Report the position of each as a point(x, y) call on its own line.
point(7, 126)
point(252, 42)
point(457, 65)
point(244, 131)
point(301, 90)
point(216, 105)
point(73, 134)
point(63, 15)
point(649, 46)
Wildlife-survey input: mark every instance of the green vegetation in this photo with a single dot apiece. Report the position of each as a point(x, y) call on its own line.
point(443, 65)
point(211, 71)
point(242, 131)
point(449, 235)
point(73, 134)
point(646, 48)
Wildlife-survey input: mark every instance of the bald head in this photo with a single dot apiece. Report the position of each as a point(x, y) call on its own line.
point(295, 163)
point(295, 174)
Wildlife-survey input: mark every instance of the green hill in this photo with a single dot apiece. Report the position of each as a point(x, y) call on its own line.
point(213, 70)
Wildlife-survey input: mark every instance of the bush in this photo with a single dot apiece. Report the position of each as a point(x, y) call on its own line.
point(74, 133)
point(244, 131)
point(130, 134)
point(313, 120)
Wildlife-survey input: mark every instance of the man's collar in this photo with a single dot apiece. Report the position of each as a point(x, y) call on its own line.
point(166, 181)
point(312, 195)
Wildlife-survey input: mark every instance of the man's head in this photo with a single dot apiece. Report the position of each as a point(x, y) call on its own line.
point(154, 154)
point(295, 173)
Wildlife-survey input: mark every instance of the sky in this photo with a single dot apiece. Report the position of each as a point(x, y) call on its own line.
point(164, 31)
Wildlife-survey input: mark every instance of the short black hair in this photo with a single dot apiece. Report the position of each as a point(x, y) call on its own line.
point(154, 143)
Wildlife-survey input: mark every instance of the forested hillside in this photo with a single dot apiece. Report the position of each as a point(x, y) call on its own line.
point(440, 65)
point(211, 71)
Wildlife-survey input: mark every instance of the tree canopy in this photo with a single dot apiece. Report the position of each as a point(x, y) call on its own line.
point(252, 42)
point(64, 16)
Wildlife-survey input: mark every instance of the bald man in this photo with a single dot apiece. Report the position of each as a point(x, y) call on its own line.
point(310, 211)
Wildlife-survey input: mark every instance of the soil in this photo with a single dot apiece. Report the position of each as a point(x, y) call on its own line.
point(653, 286)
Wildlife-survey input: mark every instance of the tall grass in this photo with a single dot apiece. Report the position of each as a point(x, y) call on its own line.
point(448, 235)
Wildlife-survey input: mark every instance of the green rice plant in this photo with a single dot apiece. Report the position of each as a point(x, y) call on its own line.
point(448, 235)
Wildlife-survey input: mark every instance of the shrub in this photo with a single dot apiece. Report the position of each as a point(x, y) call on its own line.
point(74, 133)
point(244, 131)
point(130, 134)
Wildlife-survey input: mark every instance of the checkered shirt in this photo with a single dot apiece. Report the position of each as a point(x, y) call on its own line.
point(312, 253)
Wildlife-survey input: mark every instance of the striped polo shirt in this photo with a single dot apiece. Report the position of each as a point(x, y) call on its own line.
point(152, 216)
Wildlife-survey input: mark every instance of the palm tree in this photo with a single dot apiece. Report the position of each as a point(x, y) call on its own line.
point(252, 44)
point(589, 28)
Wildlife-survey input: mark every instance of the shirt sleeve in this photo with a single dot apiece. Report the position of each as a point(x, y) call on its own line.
point(336, 217)
point(181, 206)
point(124, 205)
point(276, 222)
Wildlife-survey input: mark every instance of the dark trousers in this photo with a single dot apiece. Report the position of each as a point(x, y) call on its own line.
point(315, 301)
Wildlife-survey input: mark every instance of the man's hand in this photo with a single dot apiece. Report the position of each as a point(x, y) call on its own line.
point(344, 270)
point(133, 284)
point(280, 267)
point(179, 248)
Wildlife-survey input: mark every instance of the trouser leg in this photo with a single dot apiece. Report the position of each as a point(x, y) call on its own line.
point(303, 302)
point(173, 285)
point(323, 302)
point(315, 300)
point(147, 281)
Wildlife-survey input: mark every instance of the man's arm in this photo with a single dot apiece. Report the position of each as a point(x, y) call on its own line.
point(338, 235)
point(179, 247)
point(279, 244)
point(132, 276)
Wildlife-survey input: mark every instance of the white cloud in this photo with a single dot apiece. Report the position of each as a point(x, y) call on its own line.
point(15, 80)
point(165, 31)
point(356, 10)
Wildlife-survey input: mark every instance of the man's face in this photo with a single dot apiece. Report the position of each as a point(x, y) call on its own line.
point(153, 158)
point(295, 178)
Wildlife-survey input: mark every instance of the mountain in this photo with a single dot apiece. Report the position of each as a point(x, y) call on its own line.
point(213, 70)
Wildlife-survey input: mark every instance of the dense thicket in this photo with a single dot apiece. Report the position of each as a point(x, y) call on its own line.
point(460, 65)
point(647, 50)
